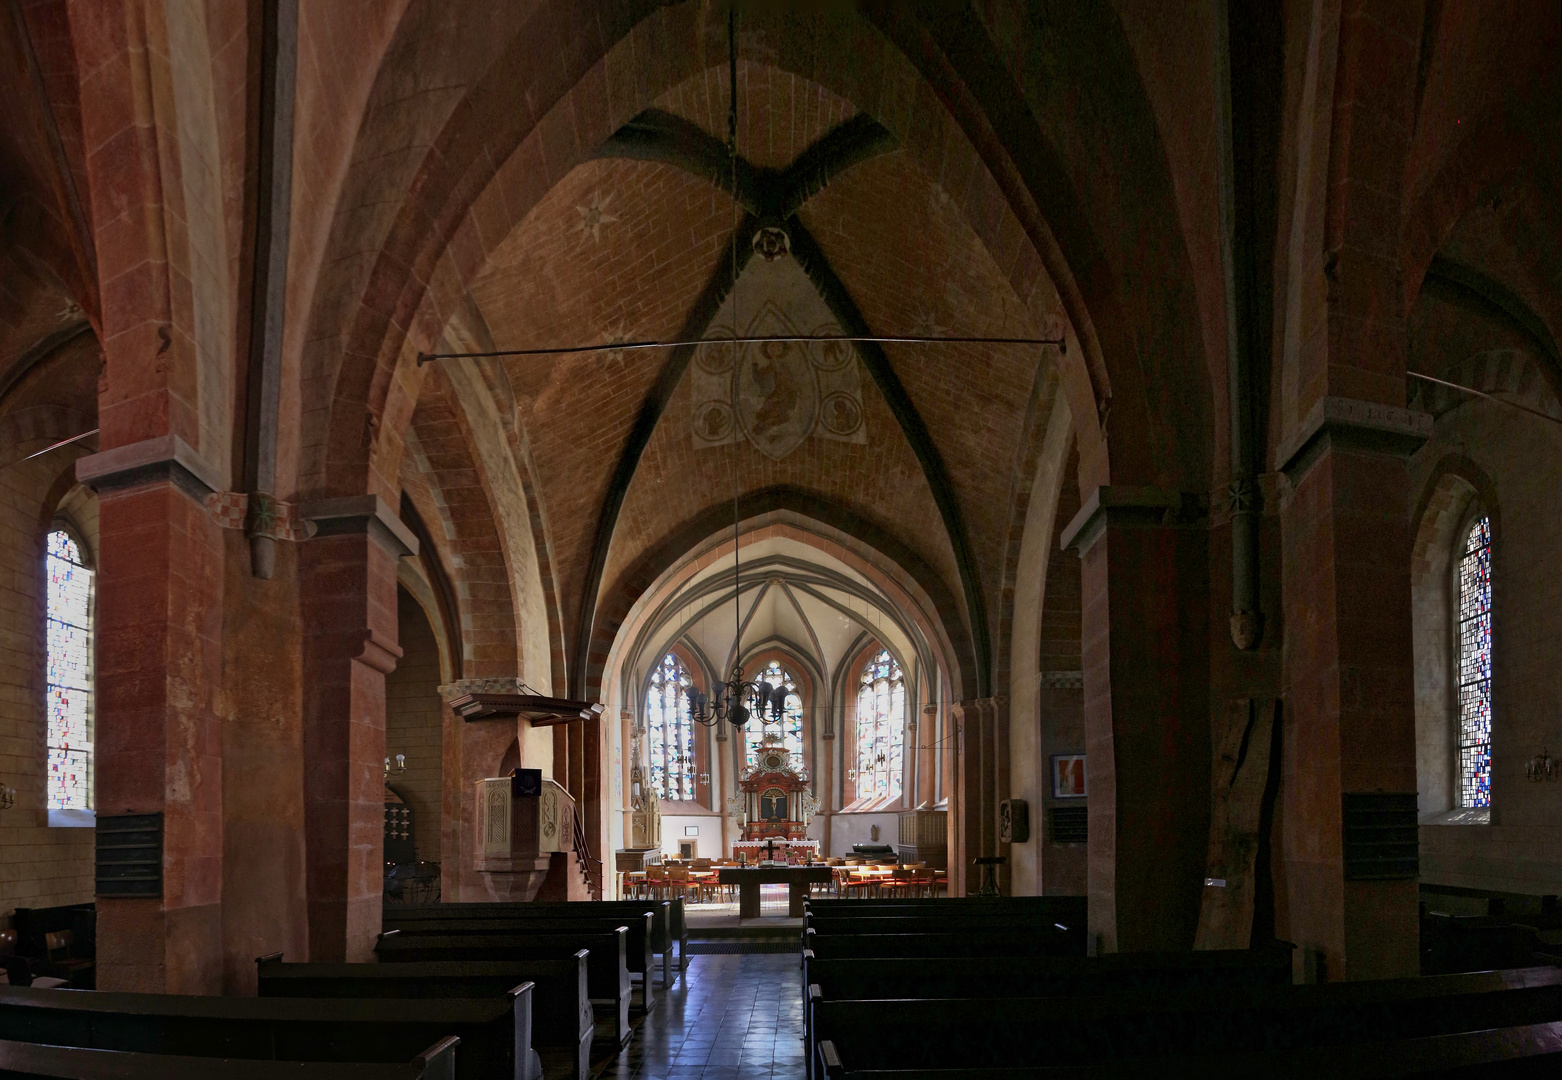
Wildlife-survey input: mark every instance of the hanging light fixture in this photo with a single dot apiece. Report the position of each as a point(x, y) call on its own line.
point(729, 703)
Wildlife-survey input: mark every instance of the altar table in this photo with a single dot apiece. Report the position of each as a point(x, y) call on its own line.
point(748, 879)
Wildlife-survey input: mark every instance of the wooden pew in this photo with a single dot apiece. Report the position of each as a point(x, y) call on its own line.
point(669, 928)
point(495, 1034)
point(1511, 1053)
point(1455, 943)
point(1020, 977)
point(1042, 942)
point(562, 1020)
point(22, 1059)
point(1004, 1033)
point(607, 973)
point(638, 956)
point(1062, 908)
point(827, 926)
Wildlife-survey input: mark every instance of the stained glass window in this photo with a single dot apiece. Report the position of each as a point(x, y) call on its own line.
point(1475, 666)
point(789, 728)
point(69, 675)
point(670, 730)
point(881, 726)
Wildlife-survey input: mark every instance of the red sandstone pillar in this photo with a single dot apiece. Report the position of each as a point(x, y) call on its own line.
point(159, 747)
point(978, 775)
point(348, 594)
point(1349, 718)
point(1145, 646)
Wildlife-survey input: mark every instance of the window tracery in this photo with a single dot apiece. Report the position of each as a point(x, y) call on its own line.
point(1475, 662)
point(670, 731)
point(69, 675)
point(789, 728)
point(881, 726)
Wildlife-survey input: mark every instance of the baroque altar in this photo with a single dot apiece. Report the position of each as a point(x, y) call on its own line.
point(773, 807)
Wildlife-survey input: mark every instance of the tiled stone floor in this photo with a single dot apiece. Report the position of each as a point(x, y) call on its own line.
point(726, 1018)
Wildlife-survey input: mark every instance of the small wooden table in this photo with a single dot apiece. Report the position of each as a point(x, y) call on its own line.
point(748, 879)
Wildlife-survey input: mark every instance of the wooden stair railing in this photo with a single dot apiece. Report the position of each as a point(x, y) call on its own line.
point(590, 869)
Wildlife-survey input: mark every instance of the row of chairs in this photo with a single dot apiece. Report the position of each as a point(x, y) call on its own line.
point(694, 881)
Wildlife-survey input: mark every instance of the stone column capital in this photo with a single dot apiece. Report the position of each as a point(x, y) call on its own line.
point(362, 513)
point(1362, 425)
point(1134, 507)
point(167, 458)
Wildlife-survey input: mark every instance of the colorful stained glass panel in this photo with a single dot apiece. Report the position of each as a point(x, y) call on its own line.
point(68, 672)
point(670, 730)
point(881, 726)
point(789, 729)
point(1475, 662)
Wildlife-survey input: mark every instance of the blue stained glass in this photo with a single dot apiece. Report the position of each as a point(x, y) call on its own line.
point(790, 728)
point(1475, 662)
point(670, 730)
point(68, 672)
point(881, 726)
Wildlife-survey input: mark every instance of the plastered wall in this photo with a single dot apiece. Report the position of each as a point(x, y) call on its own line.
point(39, 866)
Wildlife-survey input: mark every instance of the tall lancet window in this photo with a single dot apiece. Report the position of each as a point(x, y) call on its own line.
point(69, 674)
point(1475, 666)
point(881, 727)
point(789, 727)
point(670, 730)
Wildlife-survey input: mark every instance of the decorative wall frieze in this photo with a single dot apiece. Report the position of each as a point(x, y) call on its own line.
point(1063, 680)
point(271, 517)
point(462, 687)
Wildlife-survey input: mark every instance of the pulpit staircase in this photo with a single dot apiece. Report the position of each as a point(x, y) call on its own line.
point(590, 869)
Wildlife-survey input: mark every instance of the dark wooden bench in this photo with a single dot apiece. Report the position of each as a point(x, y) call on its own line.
point(1512, 1053)
point(495, 1034)
point(1455, 943)
point(1003, 1033)
point(20, 1060)
point(828, 925)
point(1020, 977)
point(562, 1022)
point(669, 929)
point(1063, 908)
point(638, 956)
point(953, 943)
point(607, 974)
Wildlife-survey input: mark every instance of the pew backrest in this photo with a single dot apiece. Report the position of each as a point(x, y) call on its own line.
point(638, 943)
point(495, 1032)
point(35, 1059)
point(969, 943)
point(1523, 1051)
point(1078, 1030)
point(1030, 976)
point(667, 923)
point(562, 1018)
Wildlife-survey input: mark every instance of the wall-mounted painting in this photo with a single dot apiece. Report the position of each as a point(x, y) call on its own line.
point(1068, 776)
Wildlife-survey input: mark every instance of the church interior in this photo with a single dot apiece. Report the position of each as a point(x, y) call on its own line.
point(534, 519)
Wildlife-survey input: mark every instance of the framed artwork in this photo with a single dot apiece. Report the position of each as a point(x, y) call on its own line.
point(691, 830)
point(1068, 776)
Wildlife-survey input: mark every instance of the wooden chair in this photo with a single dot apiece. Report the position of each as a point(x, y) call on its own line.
point(57, 948)
point(656, 883)
point(680, 884)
